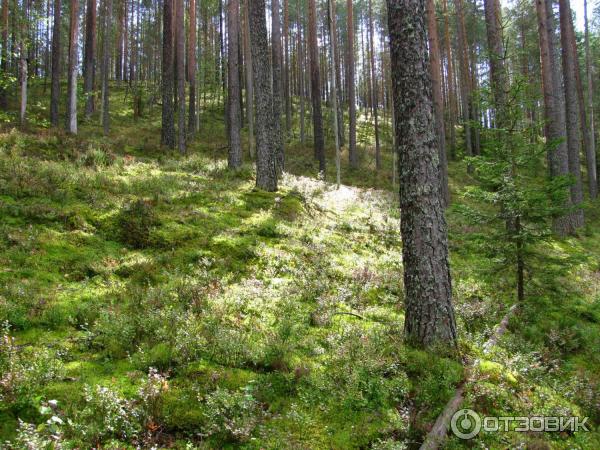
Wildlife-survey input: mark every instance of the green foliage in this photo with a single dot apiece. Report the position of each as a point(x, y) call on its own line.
point(136, 221)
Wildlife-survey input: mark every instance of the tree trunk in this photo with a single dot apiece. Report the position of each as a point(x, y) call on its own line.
point(89, 59)
point(572, 109)
point(266, 171)
point(168, 115)
point(429, 317)
point(106, 67)
point(72, 73)
point(438, 102)
point(554, 118)
point(191, 61)
point(452, 113)
point(301, 72)
point(352, 153)
point(374, 89)
point(233, 84)
point(23, 68)
point(493, 25)
point(286, 67)
point(334, 93)
point(277, 96)
point(590, 101)
point(55, 81)
point(315, 86)
point(249, 83)
point(180, 48)
point(338, 79)
point(465, 89)
point(3, 92)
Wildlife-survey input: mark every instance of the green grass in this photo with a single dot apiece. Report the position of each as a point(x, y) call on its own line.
point(230, 288)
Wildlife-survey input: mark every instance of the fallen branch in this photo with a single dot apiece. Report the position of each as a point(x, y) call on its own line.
point(438, 432)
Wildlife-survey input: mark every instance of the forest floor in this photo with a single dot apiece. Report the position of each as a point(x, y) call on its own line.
point(161, 300)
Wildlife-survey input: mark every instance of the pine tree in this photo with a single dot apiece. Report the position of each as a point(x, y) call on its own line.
point(429, 318)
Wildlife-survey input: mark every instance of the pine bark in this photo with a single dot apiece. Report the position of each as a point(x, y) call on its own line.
point(496, 56)
point(233, 84)
point(55, 79)
point(180, 46)
point(266, 172)
point(168, 116)
point(465, 83)
point(452, 106)
point(277, 88)
point(438, 101)
point(72, 69)
point(315, 86)
point(89, 59)
point(571, 109)
point(429, 318)
point(554, 115)
point(191, 64)
point(374, 88)
point(3, 92)
point(352, 153)
point(106, 67)
point(590, 105)
point(23, 68)
point(249, 82)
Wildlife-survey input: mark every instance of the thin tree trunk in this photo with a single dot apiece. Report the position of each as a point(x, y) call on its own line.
point(191, 61)
point(301, 72)
point(55, 81)
point(249, 83)
point(3, 92)
point(277, 90)
point(429, 318)
point(438, 102)
point(72, 73)
point(89, 61)
point(180, 49)
point(334, 93)
point(338, 80)
point(496, 55)
point(106, 67)
point(168, 116)
point(465, 94)
point(590, 105)
point(233, 85)
point(286, 67)
point(352, 153)
point(554, 118)
point(452, 113)
point(374, 97)
point(572, 109)
point(23, 67)
point(315, 86)
point(266, 171)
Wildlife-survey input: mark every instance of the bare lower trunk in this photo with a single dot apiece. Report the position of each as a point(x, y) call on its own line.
point(249, 83)
point(429, 318)
point(592, 172)
point(572, 109)
point(277, 90)
point(334, 97)
point(180, 45)
point(374, 89)
point(89, 62)
point(555, 126)
point(233, 85)
point(106, 68)
point(168, 116)
point(266, 172)
point(3, 92)
point(55, 82)
point(315, 86)
point(438, 101)
point(72, 73)
point(191, 61)
point(465, 89)
point(352, 153)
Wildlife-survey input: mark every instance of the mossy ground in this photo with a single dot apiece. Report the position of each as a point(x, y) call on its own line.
point(233, 288)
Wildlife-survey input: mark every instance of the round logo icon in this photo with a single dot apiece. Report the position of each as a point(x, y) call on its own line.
point(465, 424)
